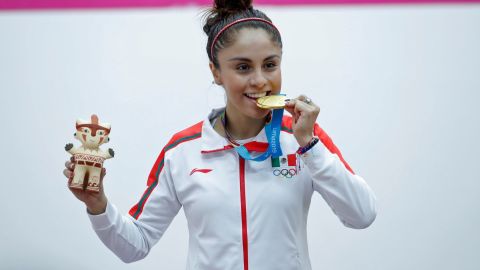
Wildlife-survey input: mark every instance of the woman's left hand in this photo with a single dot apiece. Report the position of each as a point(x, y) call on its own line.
point(304, 115)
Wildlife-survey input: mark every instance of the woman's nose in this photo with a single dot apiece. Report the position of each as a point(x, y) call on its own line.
point(258, 79)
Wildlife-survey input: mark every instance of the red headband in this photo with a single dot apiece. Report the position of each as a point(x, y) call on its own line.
point(235, 22)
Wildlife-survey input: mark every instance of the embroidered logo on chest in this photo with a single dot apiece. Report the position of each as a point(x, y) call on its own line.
point(200, 171)
point(285, 166)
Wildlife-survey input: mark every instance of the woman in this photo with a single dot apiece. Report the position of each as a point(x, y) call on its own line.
point(241, 213)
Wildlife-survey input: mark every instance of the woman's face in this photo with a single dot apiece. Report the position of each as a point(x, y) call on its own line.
point(249, 69)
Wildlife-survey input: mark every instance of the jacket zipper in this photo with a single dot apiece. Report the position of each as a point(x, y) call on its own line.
point(243, 203)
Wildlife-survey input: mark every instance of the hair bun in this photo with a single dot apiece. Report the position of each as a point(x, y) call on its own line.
point(230, 6)
point(222, 9)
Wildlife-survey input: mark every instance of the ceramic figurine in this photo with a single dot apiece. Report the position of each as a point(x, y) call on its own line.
point(89, 157)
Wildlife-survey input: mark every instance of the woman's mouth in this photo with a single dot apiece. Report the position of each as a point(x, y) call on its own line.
point(256, 96)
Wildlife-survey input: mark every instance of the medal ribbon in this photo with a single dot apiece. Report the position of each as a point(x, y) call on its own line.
point(272, 131)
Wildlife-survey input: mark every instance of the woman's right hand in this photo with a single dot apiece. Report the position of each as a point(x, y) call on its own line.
point(96, 202)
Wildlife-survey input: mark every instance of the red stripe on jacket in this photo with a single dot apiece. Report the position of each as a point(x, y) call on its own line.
point(323, 136)
point(157, 168)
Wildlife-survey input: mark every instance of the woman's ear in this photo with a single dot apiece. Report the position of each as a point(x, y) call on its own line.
point(216, 73)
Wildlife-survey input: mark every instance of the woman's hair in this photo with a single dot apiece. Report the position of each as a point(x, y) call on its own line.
point(225, 12)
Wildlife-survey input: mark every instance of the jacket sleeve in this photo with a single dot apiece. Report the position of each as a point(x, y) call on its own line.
point(130, 237)
point(347, 194)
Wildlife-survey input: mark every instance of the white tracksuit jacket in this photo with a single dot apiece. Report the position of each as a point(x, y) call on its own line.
point(241, 214)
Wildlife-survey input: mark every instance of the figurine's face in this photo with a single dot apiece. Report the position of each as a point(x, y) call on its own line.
point(91, 138)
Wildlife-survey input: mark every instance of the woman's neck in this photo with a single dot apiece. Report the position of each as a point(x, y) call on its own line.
point(240, 126)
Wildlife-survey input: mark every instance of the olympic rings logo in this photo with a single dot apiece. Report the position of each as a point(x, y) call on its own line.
point(287, 173)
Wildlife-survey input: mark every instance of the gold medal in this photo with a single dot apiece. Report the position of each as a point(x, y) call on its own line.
point(272, 102)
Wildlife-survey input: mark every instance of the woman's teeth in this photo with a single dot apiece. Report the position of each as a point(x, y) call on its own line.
point(256, 95)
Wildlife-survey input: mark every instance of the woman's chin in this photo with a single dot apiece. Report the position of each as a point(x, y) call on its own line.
point(250, 109)
point(258, 113)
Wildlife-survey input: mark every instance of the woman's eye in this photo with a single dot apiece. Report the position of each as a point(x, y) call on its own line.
point(243, 67)
point(85, 130)
point(101, 132)
point(270, 65)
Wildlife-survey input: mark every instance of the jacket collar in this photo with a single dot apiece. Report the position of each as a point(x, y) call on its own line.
point(213, 142)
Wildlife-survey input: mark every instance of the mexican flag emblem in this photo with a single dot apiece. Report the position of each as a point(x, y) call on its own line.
point(285, 166)
point(285, 161)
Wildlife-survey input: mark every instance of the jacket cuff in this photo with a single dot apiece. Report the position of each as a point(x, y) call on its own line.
point(315, 156)
point(104, 220)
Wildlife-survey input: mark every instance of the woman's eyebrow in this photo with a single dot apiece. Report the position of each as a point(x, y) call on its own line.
point(271, 57)
point(244, 59)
